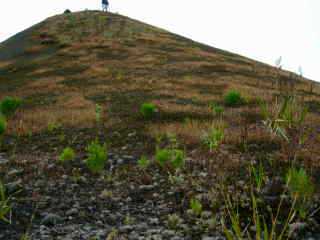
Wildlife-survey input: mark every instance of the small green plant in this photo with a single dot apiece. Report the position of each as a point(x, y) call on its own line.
point(301, 190)
point(233, 99)
point(5, 206)
point(217, 110)
point(196, 206)
point(143, 163)
point(174, 221)
point(97, 156)
point(52, 126)
point(67, 154)
point(172, 158)
point(148, 110)
point(258, 174)
point(213, 138)
point(9, 105)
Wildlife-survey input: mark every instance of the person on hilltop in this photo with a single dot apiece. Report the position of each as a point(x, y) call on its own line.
point(105, 5)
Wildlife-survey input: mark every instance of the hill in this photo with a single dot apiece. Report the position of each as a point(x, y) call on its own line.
point(84, 76)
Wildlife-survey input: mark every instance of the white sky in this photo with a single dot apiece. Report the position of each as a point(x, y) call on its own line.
point(259, 29)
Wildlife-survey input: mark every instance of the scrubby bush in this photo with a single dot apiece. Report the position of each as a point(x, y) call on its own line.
point(3, 125)
point(67, 154)
point(9, 105)
point(97, 156)
point(148, 110)
point(233, 99)
point(67, 11)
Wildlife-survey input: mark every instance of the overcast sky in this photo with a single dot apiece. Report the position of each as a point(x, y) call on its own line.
point(260, 29)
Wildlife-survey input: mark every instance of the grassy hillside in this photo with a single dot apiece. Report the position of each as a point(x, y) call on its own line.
point(85, 75)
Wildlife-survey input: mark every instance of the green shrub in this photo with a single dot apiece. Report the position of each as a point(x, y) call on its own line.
point(148, 110)
point(3, 125)
point(233, 99)
point(67, 154)
point(9, 105)
point(97, 156)
point(173, 158)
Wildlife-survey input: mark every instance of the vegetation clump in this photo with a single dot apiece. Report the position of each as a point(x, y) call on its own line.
point(301, 190)
point(9, 105)
point(143, 163)
point(67, 154)
point(195, 207)
point(148, 110)
point(213, 138)
point(233, 99)
point(170, 158)
point(97, 156)
point(217, 110)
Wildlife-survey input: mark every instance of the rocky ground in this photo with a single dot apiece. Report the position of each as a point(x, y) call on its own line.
point(54, 201)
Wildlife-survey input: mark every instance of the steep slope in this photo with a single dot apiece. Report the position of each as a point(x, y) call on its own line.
point(65, 65)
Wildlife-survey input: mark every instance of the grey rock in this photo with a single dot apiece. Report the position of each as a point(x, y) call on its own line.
point(126, 228)
point(51, 219)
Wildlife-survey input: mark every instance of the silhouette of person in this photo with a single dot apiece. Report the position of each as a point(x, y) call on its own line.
point(105, 5)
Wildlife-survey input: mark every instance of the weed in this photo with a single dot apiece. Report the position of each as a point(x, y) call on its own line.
point(285, 120)
point(217, 110)
point(258, 175)
point(148, 110)
point(97, 156)
point(52, 126)
point(196, 207)
point(143, 163)
point(174, 221)
point(213, 138)
point(5, 206)
point(9, 105)
point(276, 229)
point(67, 154)
point(171, 158)
point(233, 99)
point(300, 188)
